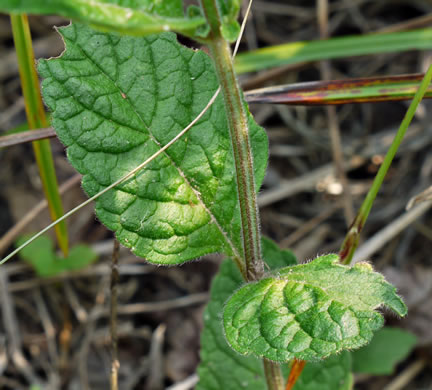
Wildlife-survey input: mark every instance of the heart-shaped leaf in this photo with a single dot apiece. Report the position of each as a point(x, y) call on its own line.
point(116, 101)
point(309, 311)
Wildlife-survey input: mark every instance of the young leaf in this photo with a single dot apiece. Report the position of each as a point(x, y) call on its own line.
point(134, 17)
point(41, 256)
point(230, 27)
point(309, 311)
point(223, 368)
point(116, 101)
point(388, 347)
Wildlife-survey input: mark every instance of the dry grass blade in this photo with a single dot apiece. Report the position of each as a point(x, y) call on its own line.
point(26, 136)
point(337, 92)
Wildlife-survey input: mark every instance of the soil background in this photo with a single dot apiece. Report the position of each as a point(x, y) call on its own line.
point(56, 330)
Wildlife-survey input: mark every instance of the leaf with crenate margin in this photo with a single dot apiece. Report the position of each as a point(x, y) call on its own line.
point(309, 311)
point(115, 101)
point(134, 17)
point(223, 368)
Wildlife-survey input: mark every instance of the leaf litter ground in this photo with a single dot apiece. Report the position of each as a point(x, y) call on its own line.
point(78, 308)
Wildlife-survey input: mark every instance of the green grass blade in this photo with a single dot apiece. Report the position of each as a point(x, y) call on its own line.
point(37, 119)
point(340, 47)
point(352, 238)
point(364, 90)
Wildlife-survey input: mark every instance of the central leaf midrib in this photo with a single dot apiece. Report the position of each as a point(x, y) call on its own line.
point(179, 170)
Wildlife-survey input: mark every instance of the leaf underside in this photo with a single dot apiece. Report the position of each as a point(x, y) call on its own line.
point(309, 311)
point(115, 102)
point(135, 17)
point(223, 368)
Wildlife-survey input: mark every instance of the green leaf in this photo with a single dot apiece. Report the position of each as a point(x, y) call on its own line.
point(388, 347)
point(41, 256)
point(115, 102)
point(333, 373)
point(223, 368)
point(309, 311)
point(230, 28)
point(134, 17)
point(340, 47)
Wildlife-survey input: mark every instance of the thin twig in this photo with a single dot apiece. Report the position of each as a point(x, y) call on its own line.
point(93, 272)
point(13, 336)
point(185, 384)
point(156, 372)
point(336, 142)
point(50, 334)
point(113, 316)
point(27, 136)
point(406, 376)
point(149, 307)
point(410, 24)
point(82, 355)
point(13, 232)
point(291, 187)
point(381, 238)
point(308, 226)
point(74, 301)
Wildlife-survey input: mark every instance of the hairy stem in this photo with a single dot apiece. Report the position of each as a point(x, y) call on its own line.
point(273, 374)
point(239, 132)
point(352, 238)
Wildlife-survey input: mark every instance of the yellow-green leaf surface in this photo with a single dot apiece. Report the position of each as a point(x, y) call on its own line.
point(115, 101)
point(309, 311)
point(223, 368)
point(135, 17)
